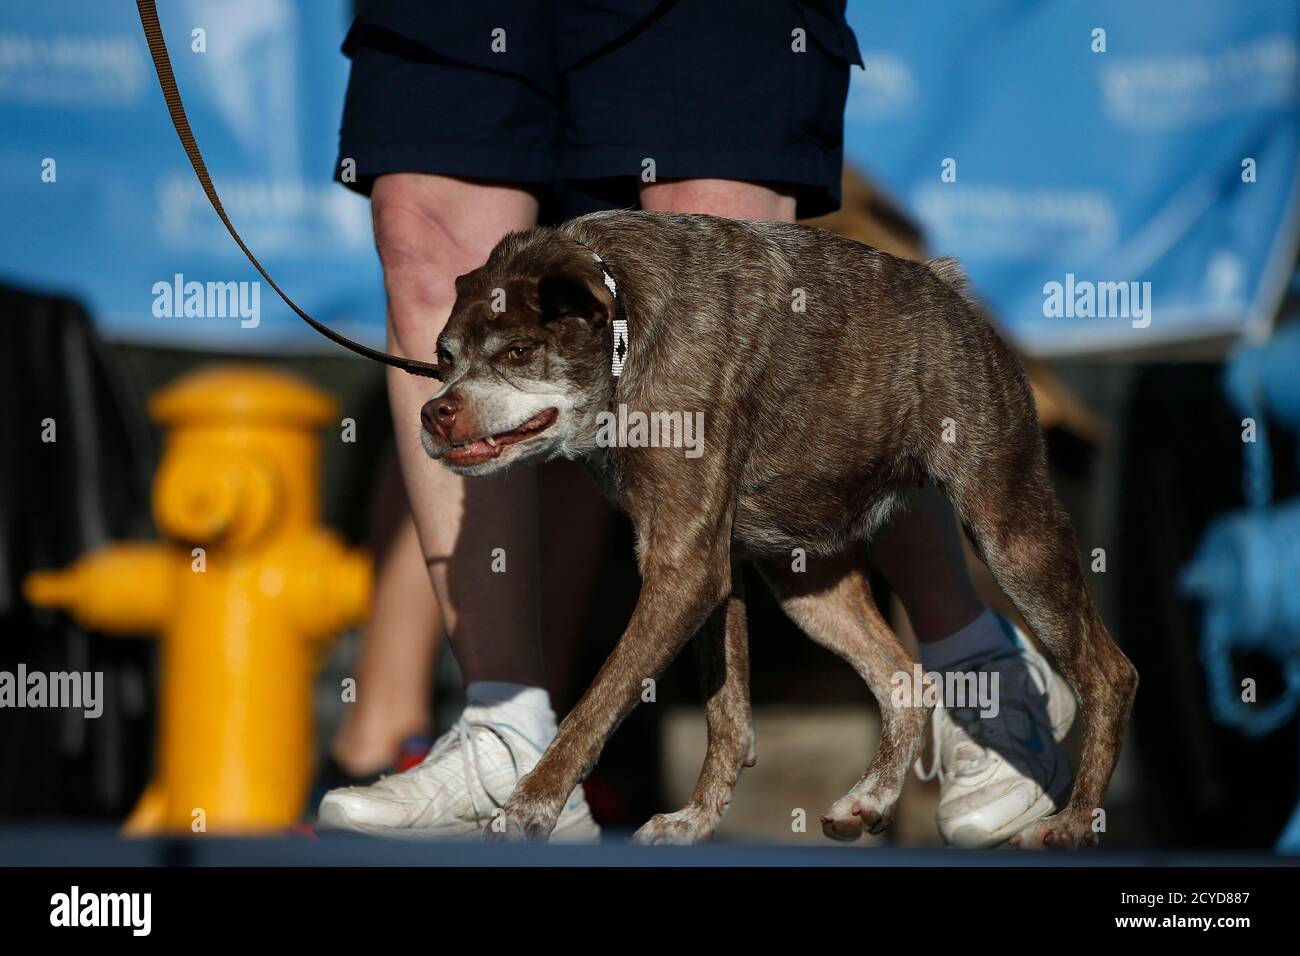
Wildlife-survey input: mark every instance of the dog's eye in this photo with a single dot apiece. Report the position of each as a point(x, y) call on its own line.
point(444, 357)
point(518, 353)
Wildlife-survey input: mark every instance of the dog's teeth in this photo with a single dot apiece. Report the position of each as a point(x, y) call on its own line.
point(491, 441)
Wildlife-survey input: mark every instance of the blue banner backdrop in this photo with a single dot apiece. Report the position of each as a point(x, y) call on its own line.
point(1083, 157)
point(124, 214)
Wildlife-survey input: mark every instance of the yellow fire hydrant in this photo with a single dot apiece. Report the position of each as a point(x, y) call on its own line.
point(243, 592)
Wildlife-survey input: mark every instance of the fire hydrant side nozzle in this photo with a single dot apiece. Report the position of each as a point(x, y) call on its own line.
point(121, 588)
point(336, 593)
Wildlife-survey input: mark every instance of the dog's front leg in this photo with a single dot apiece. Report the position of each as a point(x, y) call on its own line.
point(722, 659)
point(677, 595)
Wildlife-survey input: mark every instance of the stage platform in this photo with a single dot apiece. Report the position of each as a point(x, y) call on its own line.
point(96, 846)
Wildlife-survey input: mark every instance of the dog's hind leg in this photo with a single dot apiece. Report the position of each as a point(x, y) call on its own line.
point(722, 658)
point(831, 601)
point(1025, 537)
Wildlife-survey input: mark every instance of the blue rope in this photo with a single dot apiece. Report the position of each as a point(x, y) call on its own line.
point(1247, 568)
point(1247, 571)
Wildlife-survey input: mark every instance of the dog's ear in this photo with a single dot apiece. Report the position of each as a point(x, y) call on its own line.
point(567, 295)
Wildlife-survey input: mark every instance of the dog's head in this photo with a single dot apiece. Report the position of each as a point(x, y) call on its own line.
point(526, 358)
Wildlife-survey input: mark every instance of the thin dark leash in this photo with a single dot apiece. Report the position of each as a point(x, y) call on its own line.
point(167, 80)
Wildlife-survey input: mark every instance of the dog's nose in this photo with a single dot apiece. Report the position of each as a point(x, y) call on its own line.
point(439, 413)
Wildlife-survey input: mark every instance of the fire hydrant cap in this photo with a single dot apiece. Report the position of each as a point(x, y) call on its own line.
point(228, 394)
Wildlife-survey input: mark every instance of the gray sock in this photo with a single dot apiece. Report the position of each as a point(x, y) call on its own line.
point(981, 639)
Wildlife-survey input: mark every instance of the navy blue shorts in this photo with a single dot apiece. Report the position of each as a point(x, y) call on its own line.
point(582, 93)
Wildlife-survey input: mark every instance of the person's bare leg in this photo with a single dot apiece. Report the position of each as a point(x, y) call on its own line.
point(574, 521)
point(732, 198)
point(430, 229)
point(920, 554)
point(395, 662)
point(478, 537)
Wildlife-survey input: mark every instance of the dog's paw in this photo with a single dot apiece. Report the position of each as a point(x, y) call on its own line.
point(1061, 831)
point(850, 815)
point(691, 824)
point(514, 824)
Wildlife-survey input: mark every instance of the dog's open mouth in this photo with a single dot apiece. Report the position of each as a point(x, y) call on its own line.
point(485, 449)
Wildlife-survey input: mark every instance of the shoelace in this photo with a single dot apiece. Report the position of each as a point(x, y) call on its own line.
point(462, 735)
point(982, 734)
point(937, 736)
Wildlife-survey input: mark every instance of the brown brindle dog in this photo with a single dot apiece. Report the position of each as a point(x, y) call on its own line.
point(832, 378)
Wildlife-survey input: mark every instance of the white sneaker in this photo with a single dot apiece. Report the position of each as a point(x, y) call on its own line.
point(997, 775)
point(470, 771)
